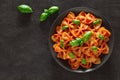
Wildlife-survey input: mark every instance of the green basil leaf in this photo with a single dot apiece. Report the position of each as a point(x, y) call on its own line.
point(64, 27)
point(83, 61)
point(94, 48)
point(43, 17)
point(62, 43)
point(87, 36)
point(74, 43)
point(96, 22)
point(101, 37)
point(47, 11)
point(53, 9)
point(80, 41)
point(75, 21)
point(72, 55)
point(23, 8)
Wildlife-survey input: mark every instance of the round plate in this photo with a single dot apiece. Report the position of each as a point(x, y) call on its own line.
point(58, 21)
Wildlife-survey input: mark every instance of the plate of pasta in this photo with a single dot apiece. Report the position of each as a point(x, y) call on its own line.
point(81, 40)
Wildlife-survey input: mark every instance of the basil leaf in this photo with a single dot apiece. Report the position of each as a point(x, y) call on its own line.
point(74, 43)
point(83, 61)
point(72, 55)
point(64, 27)
point(80, 41)
point(23, 8)
point(75, 21)
point(43, 17)
point(87, 36)
point(53, 9)
point(94, 48)
point(96, 22)
point(101, 37)
point(62, 43)
point(47, 11)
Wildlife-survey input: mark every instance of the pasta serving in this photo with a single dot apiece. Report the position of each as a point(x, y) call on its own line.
point(81, 39)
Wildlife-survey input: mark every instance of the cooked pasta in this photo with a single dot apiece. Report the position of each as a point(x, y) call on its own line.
point(81, 39)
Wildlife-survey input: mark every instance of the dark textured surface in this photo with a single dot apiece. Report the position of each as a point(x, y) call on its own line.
point(24, 51)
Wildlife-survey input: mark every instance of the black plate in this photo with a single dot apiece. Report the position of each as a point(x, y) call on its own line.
point(58, 21)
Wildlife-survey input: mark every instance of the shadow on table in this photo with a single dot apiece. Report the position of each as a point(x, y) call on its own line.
point(24, 19)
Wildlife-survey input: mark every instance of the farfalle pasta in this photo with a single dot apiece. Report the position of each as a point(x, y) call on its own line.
point(81, 39)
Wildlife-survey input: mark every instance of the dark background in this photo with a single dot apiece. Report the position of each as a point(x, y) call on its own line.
point(24, 51)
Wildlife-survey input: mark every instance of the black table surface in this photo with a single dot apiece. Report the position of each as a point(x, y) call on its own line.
point(24, 51)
